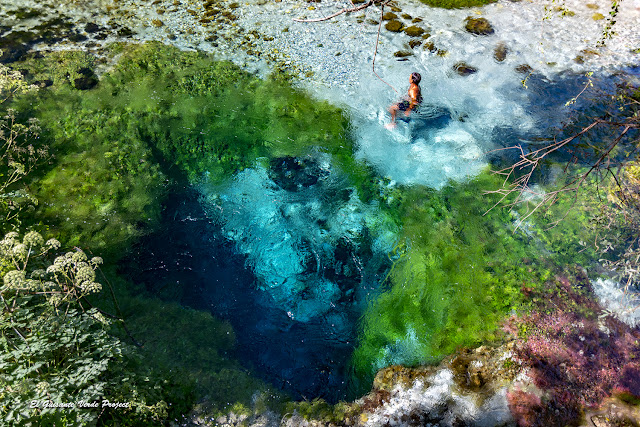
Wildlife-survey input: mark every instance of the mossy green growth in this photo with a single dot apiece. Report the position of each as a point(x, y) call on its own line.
point(457, 273)
point(162, 113)
point(60, 67)
point(218, 119)
point(104, 186)
point(456, 4)
point(577, 227)
point(189, 351)
point(320, 410)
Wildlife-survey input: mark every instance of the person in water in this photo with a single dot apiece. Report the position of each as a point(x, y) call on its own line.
point(410, 102)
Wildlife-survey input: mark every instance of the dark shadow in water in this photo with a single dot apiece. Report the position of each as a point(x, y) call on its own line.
point(561, 108)
point(188, 260)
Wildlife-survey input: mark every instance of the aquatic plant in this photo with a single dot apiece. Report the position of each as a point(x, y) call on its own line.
point(162, 110)
point(105, 186)
point(12, 83)
point(456, 4)
point(65, 68)
point(576, 354)
point(455, 275)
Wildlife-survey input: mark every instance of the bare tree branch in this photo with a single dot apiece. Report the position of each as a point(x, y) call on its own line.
point(340, 12)
point(528, 164)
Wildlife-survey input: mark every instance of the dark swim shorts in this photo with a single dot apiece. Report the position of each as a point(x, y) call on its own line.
point(404, 105)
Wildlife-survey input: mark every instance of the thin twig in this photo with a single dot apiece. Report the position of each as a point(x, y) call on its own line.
point(340, 12)
point(355, 9)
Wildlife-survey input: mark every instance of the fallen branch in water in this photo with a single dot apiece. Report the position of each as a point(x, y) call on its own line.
point(521, 172)
point(350, 10)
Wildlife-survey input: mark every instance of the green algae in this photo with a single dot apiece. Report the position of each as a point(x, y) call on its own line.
point(218, 119)
point(459, 270)
point(457, 273)
point(161, 115)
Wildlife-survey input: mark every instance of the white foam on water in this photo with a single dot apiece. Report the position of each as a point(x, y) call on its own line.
point(438, 399)
point(334, 61)
point(407, 350)
point(340, 53)
point(624, 303)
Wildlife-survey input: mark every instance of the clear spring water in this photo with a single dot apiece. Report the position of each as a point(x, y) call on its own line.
point(289, 253)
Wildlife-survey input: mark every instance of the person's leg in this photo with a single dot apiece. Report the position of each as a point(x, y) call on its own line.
point(393, 110)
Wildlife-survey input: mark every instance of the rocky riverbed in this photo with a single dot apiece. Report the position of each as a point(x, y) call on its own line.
point(334, 58)
point(486, 68)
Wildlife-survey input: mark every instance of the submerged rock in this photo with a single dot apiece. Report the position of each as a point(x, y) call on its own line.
point(294, 173)
point(15, 45)
point(500, 52)
point(478, 26)
point(87, 79)
point(389, 16)
point(524, 69)
point(394, 26)
point(305, 236)
point(464, 69)
point(414, 31)
point(402, 53)
point(92, 27)
point(431, 47)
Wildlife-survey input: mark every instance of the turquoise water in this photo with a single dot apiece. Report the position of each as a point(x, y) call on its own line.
point(293, 256)
point(333, 246)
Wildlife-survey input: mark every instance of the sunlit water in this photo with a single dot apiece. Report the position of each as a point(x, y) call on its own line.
point(287, 250)
point(289, 253)
point(293, 314)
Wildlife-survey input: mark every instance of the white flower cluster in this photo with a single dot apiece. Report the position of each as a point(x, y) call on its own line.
point(53, 244)
point(98, 316)
point(33, 239)
point(85, 273)
point(15, 279)
point(42, 386)
point(12, 82)
point(72, 270)
point(14, 249)
point(76, 267)
point(90, 287)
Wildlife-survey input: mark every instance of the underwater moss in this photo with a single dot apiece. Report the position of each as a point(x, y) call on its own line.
point(160, 114)
point(458, 269)
point(456, 273)
point(216, 118)
point(104, 187)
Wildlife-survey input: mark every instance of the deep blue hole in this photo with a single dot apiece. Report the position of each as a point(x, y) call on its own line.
point(188, 259)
